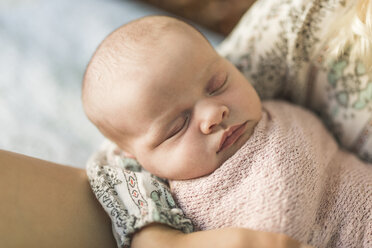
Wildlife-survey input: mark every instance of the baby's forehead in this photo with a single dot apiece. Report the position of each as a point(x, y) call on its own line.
point(133, 53)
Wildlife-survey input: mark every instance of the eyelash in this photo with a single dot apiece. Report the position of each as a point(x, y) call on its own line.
point(219, 87)
point(180, 128)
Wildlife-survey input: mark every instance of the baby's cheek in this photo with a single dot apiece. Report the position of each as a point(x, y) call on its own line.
point(154, 162)
point(200, 163)
point(193, 156)
point(184, 162)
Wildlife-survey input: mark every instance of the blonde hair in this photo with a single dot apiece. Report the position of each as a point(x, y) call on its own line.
point(352, 33)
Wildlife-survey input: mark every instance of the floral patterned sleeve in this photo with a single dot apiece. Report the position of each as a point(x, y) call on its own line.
point(131, 196)
point(258, 47)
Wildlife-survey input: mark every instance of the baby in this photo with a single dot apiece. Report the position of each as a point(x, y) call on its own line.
point(160, 91)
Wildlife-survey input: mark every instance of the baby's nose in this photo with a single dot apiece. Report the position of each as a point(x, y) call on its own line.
point(213, 116)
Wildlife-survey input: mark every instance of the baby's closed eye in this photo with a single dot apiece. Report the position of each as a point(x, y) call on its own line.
point(180, 124)
point(217, 84)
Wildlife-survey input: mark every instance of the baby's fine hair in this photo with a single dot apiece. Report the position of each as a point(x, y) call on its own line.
point(126, 45)
point(351, 33)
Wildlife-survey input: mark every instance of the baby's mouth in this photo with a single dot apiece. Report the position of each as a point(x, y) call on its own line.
point(231, 135)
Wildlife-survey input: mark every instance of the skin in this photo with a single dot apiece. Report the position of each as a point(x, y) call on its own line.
point(181, 105)
point(44, 204)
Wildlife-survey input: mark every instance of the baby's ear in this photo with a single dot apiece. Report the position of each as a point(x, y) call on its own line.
point(129, 155)
point(120, 152)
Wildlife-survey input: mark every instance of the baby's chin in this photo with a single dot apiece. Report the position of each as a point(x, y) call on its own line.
point(215, 165)
point(211, 166)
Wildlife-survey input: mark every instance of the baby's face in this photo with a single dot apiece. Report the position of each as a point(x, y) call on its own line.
point(187, 110)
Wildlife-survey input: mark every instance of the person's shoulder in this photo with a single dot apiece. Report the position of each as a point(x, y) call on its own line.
point(286, 110)
point(281, 105)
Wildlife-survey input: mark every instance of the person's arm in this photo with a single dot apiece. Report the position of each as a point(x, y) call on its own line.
point(156, 235)
point(48, 205)
point(44, 204)
point(220, 16)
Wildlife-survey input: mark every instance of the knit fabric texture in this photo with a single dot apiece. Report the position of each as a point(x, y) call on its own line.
point(290, 177)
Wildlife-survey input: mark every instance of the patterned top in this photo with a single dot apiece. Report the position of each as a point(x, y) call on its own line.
point(283, 58)
point(278, 46)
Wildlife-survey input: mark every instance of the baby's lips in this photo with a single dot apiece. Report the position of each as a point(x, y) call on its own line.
point(229, 132)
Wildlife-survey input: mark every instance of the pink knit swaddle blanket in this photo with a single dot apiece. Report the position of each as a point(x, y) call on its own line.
point(290, 177)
